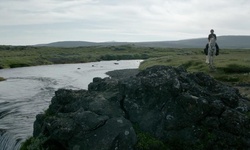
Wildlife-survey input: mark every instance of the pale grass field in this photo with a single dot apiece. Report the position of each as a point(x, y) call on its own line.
point(233, 66)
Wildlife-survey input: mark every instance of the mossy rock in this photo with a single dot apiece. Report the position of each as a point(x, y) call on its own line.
point(40, 143)
point(147, 142)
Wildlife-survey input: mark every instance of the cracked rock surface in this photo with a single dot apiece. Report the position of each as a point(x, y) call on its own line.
point(174, 106)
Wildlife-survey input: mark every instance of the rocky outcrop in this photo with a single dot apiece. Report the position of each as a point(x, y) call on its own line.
point(181, 110)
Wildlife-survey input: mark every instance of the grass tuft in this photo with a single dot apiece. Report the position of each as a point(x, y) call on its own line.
point(232, 65)
point(227, 78)
point(236, 68)
point(2, 79)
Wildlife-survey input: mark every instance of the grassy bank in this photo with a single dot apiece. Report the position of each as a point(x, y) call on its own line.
point(21, 56)
point(232, 64)
point(1, 79)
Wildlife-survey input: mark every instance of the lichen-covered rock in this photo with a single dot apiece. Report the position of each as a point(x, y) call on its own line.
point(85, 120)
point(182, 110)
point(173, 104)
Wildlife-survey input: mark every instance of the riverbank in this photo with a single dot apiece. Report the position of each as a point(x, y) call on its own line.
point(23, 56)
point(232, 64)
point(1, 79)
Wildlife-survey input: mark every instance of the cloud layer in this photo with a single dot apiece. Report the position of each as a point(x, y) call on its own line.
point(42, 21)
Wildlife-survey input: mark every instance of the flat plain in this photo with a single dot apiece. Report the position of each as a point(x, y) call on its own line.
point(232, 65)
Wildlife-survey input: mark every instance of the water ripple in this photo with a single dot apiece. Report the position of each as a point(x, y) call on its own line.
point(28, 92)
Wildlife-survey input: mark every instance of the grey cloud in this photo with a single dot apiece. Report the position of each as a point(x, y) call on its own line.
point(148, 19)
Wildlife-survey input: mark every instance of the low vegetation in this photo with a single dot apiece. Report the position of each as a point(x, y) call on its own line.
point(36, 144)
point(2, 79)
point(146, 141)
point(232, 64)
point(22, 56)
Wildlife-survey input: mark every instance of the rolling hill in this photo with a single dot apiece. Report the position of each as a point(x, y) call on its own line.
point(240, 42)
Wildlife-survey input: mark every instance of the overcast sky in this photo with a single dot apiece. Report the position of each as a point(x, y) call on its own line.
point(26, 22)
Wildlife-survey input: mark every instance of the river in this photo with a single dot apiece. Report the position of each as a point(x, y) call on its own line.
point(28, 92)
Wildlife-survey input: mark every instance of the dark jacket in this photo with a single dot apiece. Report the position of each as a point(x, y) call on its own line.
point(217, 48)
point(212, 35)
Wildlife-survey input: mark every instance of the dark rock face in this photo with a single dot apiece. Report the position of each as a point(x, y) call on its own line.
point(85, 120)
point(185, 111)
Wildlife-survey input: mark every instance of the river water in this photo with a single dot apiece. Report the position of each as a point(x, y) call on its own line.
point(28, 92)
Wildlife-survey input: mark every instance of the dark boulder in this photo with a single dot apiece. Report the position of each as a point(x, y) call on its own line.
point(84, 120)
point(182, 110)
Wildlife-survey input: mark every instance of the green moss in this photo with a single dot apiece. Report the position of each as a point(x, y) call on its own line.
point(248, 114)
point(34, 143)
point(148, 142)
point(25, 144)
point(41, 143)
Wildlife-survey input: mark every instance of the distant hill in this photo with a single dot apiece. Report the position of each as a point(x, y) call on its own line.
point(81, 44)
point(223, 41)
point(68, 44)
